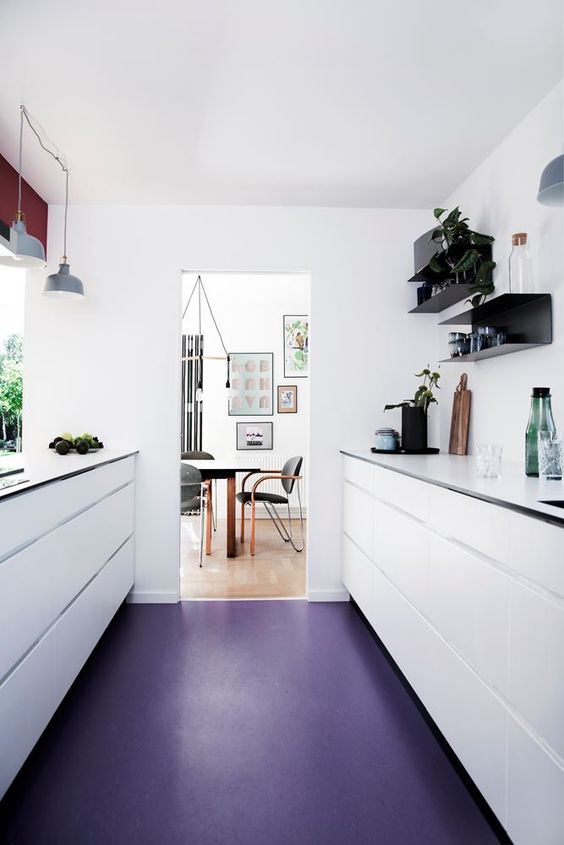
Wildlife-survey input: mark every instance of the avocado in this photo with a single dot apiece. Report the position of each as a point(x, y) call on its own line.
point(82, 447)
point(63, 447)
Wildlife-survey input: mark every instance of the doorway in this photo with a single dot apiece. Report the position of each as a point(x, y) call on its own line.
point(260, 321)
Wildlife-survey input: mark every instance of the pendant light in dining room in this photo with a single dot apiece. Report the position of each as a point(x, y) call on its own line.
point(25, 251)
point(199, 394)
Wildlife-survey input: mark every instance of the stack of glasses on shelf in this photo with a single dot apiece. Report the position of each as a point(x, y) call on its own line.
point(484, 337)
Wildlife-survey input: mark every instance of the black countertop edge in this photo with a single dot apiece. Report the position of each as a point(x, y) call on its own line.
point(28, 486)
point(552, 519)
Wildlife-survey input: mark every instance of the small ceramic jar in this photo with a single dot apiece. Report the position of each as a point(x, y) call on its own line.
point(386, 439)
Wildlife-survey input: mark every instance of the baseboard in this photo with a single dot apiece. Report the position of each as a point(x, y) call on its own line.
point(328, 595)
point(148, 597)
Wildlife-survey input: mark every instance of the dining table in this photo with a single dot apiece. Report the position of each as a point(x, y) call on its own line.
point(225, 469)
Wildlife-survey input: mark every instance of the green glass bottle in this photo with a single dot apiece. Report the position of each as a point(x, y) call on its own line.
point(540, 419)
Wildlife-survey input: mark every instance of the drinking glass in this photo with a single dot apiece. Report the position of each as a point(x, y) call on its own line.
point(488, 459)
point(550, 454)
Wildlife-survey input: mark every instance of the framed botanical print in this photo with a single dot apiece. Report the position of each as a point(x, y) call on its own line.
point(296, 346)
point(287, 399)
point(251, 384)
point(254, 437)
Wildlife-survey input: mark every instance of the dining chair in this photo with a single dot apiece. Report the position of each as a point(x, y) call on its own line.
point(288, 476)
point(195, 493)
point(196, 455)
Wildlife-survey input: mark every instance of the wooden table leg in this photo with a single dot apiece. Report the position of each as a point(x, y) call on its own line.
point(231, 541)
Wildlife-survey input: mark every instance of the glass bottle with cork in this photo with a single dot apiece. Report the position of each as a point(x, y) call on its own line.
point(540, 419)
point(520, 265)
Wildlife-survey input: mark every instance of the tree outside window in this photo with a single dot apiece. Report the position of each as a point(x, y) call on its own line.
point(11, 394)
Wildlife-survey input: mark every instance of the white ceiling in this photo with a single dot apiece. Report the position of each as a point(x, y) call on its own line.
point(279, 102)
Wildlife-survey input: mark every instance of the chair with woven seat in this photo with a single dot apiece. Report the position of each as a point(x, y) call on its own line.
point(288, 476)
point(195, 494)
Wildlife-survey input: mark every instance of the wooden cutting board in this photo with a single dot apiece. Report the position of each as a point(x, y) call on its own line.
point(458, 443)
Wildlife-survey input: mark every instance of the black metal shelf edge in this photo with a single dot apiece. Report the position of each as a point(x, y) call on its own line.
point(495, 307)
point(447, 297)
point(492, 352)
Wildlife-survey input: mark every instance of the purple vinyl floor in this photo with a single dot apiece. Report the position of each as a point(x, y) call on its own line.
point(260, 723)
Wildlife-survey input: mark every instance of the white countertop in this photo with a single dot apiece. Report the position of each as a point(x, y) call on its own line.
point(457, 472)
point(46, 466)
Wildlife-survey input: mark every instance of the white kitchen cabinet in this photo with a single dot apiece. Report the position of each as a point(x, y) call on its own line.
point(66, 564)
point(467, 596)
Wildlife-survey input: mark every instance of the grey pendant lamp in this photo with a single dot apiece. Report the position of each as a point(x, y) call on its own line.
point(551, 188)
point(63, 283)
point(24, 251)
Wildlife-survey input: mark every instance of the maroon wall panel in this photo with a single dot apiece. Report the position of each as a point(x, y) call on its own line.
point(33, 206)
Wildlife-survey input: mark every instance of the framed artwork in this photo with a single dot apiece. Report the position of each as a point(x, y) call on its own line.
point(251, 384)
point(296, 346)
point(254, 437)
point(287, 398)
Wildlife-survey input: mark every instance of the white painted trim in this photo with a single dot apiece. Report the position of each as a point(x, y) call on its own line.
point(328, 595)
point(148, 597)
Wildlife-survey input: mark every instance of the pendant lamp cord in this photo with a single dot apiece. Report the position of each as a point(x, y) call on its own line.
point(24, 113)
point(20, 163)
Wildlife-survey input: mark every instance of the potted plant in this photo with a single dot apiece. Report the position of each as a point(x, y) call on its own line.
point(414, 411)
point(459, 253)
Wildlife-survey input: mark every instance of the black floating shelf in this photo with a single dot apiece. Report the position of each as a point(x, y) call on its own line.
point(526, 319)
point(492, 352)
point(508, 303)
point(447, 297)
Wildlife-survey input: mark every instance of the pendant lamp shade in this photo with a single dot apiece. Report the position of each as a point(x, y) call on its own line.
point(63, 284)
point(24, 250)
point(551, 188)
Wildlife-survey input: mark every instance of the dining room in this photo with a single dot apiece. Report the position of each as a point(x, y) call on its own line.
point(245, 384)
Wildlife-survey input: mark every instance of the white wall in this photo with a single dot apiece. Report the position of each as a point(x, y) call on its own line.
point(500, 198)
point(249, 308)
point(110, 363)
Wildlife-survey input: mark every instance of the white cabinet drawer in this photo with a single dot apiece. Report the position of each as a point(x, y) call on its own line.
point(57, 502)
point(536, 550)
point(359, 472)
point(469, 606)
point(404, 492)
point(31, 694)
point(403, 631)
point(401, 549)
point(468, 714)
point(357, 517)
point(358, 577)
point(535, 786)
point(536, 666)
point(80, 628)
point(38, 583)
point(471, 717)
point(475, 523)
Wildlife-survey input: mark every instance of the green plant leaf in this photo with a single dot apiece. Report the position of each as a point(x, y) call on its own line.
point(438, 212)
point(437, 235)
point(481, 240)
point(435, 265)
point(399, 405)
point(467, 261)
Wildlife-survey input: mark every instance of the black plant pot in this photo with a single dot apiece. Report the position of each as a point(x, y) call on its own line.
point(413, 428)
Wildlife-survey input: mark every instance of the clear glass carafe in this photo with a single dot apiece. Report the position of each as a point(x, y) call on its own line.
point(520, 265)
